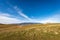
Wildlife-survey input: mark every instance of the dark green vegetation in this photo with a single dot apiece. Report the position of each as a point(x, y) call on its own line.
point(30, 32)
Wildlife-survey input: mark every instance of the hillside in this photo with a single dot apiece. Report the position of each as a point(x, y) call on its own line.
point(50, 31)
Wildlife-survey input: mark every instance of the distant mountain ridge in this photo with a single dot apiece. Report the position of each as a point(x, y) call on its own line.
point(29, 23)
point(25, 23)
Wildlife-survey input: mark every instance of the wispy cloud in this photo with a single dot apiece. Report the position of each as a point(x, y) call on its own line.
point(21, 13)
point(52, 19)
point(6, 18)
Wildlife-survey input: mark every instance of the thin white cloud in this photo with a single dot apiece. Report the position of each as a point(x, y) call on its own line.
point(6, 19)
point(25, 16)
point(21, 13)
point(52, 19)
point(4, 14)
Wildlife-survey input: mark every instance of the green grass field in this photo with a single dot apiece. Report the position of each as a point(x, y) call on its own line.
point(30, 32)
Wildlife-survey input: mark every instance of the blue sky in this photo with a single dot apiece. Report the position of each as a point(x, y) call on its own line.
point(17, 11)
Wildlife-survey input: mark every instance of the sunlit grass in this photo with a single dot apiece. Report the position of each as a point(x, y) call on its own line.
point(30, 32)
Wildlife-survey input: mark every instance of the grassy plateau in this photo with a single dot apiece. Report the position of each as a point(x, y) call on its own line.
point(50, 31)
